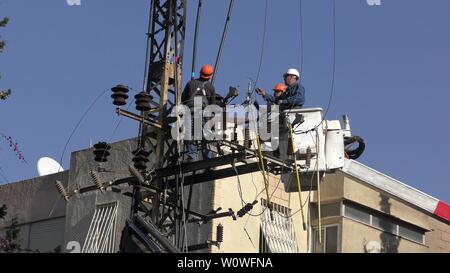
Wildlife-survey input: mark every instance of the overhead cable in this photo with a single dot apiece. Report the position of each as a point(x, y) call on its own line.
point(224, 34)
point(194, 49)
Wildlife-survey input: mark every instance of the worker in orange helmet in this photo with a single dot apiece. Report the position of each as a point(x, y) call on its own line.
point(200, 87)
point(204, 89)
point(279, 89)
point(279, 93)
point(294, 97)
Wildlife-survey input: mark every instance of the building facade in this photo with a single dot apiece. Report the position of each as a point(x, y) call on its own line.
point(361, 210)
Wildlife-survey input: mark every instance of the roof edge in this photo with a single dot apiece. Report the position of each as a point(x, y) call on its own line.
point(397, 188)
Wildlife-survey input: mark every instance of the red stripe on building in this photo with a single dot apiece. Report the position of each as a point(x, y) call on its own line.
point(443, 210)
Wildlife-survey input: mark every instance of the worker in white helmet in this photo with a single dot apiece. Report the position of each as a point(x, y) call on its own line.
point(294, 97)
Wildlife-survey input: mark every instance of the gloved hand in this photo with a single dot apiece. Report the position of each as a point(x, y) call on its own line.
point(261, 92)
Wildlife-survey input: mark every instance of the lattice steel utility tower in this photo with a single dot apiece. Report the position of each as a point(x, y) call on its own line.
point(161, 92)
point(163, 75)
point(164, 56)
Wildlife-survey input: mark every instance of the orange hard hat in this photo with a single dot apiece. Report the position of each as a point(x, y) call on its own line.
point(207, 71)
point(279, 87)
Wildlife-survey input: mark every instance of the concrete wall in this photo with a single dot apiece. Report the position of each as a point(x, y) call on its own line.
point(243, 234)
point(303, 236)
point(40, 208)
point(356, 235)
point(34, 199)
point(81, 207)
point(340, 186)
point(331, 188)
point(363, 194)
point(438, 239)
point(40, 211)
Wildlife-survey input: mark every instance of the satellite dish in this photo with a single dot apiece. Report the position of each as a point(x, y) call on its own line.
point(47, 165)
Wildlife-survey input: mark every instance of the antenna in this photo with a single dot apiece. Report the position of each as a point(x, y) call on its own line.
point(47, 165)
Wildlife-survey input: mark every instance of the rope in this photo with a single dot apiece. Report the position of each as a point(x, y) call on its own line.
point(318, 190)
point(261, 161)
point(310, 187)
point(297, 177)
point(233, 164)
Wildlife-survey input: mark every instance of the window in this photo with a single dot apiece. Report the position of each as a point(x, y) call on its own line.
point(318, 248)
point(326, 210)
point(277, 235)
point(384, 222)
point(330, 240)
point(356, 213)
point(411, 232)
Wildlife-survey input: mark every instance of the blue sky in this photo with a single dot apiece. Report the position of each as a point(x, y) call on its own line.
point(392, 65)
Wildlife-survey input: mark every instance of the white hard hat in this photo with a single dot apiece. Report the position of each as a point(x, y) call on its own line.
point(292, 71)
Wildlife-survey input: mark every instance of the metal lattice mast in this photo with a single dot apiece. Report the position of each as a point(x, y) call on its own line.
point(163, 78)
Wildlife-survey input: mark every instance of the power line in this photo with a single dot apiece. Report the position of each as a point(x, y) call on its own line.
point(263, 41)
point(301, 37)
point(194, 49)
point(333, 58)
point(330, 99)
point(224, 34)
point(79, 122)
point(147, 50)
point(76, 128)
